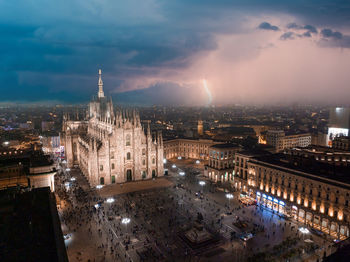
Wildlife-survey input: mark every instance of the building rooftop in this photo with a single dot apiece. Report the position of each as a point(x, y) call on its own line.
point(319, 149)
point(254, 152)
point(226, 145)
point(301, 166)
point(30, 227)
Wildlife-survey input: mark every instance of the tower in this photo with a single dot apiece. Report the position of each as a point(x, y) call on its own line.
point(200, 127)
point(100, 84)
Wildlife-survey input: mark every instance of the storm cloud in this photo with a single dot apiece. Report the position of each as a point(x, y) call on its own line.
point(52, 50)
point(268, 26)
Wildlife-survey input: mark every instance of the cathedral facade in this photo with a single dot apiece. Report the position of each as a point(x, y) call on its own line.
point(111, 146)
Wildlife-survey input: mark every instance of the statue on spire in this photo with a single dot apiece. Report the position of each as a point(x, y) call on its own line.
point(100, 84)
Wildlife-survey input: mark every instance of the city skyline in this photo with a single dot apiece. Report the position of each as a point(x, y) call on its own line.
point(248, 52)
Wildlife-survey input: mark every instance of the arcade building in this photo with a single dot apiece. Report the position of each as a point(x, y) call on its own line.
point(316, 195)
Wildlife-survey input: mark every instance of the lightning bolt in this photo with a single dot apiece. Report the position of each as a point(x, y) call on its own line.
point(205, 85)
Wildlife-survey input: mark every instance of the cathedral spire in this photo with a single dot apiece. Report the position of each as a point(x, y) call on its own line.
point(100, 84)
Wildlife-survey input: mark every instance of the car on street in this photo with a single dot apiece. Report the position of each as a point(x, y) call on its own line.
point(246, 236)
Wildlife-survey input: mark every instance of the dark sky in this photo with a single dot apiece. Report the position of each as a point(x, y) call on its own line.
point(152, 51)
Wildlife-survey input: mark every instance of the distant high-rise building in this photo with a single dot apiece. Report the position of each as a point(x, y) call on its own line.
point(339, 123)
point(200, 127)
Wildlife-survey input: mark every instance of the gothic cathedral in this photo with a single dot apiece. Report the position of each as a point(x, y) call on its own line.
point(111, 146)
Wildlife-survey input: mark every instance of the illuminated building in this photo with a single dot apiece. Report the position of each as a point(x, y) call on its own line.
point(188, 148)
point(315, 195)
point(322, 154)
point(200, 127)
point(221, 164)
point(112, 147)
point(339, 123)
point(280, 140)
point(50, 142)
point(30, 170)
point(341, 143)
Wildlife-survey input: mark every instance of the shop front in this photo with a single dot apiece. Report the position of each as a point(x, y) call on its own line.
point(247, 199)
point(272, 203)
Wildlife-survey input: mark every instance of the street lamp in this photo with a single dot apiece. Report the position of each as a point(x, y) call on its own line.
point(110, 200)
point(164, 161)
point(202, 183)
point(229, 196)
point(179, 157)
point(72, 179)
point(67, 185)
point(68, 169)
point(198, 162)
point(304, 231)
point(173, 166)
point(99, 186)
point(126, 221)
point(181, 173)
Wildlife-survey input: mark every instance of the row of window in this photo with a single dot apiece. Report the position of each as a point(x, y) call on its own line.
point(327, 196)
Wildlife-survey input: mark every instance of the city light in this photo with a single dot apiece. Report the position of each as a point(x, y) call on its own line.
point(67, 169)
point(164, 161)
point(125, 220)
point(229, 196)
point(179, 157)
point(202, 183)
point(198, 162)
point(96, 206)
point(6, 143)
point(304, 230)
point(173, 166)
point(110, 200)
point(72, 179)
point(99, 186)
point(181, 173)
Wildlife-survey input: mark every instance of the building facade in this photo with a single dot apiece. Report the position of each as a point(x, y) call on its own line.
point(200, 127)
point(112, 147)
point(221, 164)
point(32, 170)
point(341, 143)
point(188, 148)
point(319, 201)
point(328, 155)
point(281, 141)
point(339, 123)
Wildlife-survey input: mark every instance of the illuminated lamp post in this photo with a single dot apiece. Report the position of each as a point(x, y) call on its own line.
point(229, 196)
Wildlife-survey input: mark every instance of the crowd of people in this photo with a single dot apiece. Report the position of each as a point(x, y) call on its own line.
point(155, 220)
